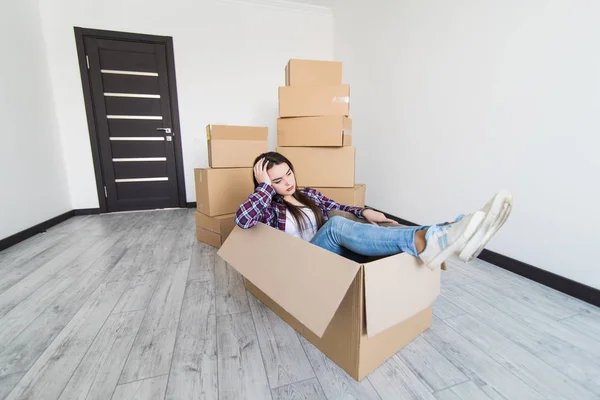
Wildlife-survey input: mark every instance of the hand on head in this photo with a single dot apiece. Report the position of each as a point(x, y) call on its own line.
point(260, 172)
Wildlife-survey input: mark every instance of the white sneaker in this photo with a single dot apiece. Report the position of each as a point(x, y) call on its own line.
point(445, 240)
point(496, 212)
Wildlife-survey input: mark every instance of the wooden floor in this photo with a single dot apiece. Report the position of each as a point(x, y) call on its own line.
point(131, 306)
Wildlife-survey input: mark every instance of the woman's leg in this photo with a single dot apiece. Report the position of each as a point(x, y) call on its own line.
point(432, 244)
point(339, 234)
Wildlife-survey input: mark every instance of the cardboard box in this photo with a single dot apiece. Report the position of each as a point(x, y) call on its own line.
point(221, 224)
point(347, 140)
point(208, 237)
point(354, 196)
point(235, 146)
point(314, 101)
point(313, 72)
point(314, 131)
point(214, 230)
point(358, 315)
point(322, 166)
point(221, 190)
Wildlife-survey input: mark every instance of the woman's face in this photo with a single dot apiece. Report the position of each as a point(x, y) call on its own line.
point(282, 179)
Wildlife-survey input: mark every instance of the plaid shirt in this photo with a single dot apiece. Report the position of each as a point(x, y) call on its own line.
point(264, 205)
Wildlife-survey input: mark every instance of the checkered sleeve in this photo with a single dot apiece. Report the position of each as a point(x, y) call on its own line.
point(331, 204)
point(257, 208)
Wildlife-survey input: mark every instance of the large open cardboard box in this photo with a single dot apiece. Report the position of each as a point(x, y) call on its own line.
point(358, 315)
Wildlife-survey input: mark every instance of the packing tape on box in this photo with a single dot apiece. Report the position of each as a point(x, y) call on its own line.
point(208, 127)
point(341, 99)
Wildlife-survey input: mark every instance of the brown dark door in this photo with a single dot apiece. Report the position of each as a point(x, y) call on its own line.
point(137, 140)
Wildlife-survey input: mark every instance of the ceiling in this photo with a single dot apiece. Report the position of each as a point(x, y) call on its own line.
point(321, 3)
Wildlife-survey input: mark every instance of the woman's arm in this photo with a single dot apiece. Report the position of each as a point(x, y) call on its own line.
point(331, 204)
point(257, 208)
point(374, 217)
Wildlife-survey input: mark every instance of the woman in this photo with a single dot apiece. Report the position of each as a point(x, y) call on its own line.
point(277, 202)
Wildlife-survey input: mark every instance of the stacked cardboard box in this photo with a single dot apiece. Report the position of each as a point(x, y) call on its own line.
point(314, 131)
point(221, 188)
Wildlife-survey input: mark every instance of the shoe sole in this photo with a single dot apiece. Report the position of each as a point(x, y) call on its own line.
point(500, 209)
point(474, 223)
point(492, 232)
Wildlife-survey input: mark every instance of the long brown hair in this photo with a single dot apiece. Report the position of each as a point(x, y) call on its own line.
point(273, 158)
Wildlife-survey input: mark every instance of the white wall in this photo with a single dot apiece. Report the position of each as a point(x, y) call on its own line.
point(32, 174)
point(454, 100)
point(229, 60)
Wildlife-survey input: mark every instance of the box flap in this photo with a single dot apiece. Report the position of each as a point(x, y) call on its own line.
point(396, 288)
point(232, 132)
point(307, 281)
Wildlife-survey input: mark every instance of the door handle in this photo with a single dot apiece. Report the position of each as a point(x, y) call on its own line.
point(165, 130)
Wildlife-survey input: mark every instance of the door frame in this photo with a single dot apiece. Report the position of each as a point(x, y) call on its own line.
point(80, 34)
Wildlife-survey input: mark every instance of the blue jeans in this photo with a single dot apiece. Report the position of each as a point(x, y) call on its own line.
point(349, 238)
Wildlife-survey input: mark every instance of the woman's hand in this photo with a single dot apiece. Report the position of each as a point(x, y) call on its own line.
point(375, 217)
point(260, 172)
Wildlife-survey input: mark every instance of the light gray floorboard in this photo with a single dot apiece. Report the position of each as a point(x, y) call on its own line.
point(566, 358)
point(433, 368)
point(130, 305)
point(533, 371)
point(532, 294)
point(202, 265)
point(18, 318)
point(150, 256)
point(8, 382)
point(51, 372)
point(145, 389)
point(525, 286)
point(73, 255)
point(48, 246)
point(241, 371)
point(138, 243)
point(76, 258)
point(394, 380)
point(89, 272)
point(585, 324)
point(533, 318)
point(12, 273)
point(463, 391)
point(309, 389)
point(17, 256)
point(285, 360)
point(230, 290)
point(336, 383)
point(455, 276)
point(443, 309)
point(153, 347)
point(194, 367)
point(478, 366)
point(96, 376)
